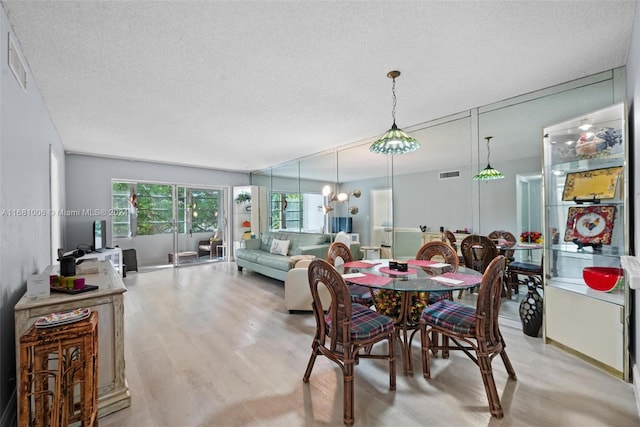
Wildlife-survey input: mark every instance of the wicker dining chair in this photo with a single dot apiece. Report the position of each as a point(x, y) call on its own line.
point(451, 238)
point(476, 332)
point(509, 237)
point(442, 251)
point(340, 253)
point(477, 252)
point(343, 328)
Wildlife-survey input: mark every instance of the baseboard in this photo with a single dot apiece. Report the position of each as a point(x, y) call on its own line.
point(635, 372)
point(8, 418)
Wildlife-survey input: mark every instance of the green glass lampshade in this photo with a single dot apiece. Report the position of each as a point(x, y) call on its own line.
point(394, 141)
point(488, 173)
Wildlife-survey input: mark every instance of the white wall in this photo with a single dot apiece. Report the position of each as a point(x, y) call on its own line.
point(89, 187)
point(26, 132)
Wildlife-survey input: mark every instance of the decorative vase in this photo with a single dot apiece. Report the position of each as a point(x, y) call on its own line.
point(531, 311)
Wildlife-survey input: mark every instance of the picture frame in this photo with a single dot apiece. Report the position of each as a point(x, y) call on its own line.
point(593, 184)
point(590, 225)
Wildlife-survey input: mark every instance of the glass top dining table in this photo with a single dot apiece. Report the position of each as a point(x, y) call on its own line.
point(422, 277)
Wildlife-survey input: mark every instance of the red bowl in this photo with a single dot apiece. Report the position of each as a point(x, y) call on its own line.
point(604, 279)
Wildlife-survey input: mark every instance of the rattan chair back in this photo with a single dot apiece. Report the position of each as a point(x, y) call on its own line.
point(478, 251)
point(441, 250)
point(339, 250)
point(321, 273)
point(449, 237)
point(506, 235)
point(488, 305)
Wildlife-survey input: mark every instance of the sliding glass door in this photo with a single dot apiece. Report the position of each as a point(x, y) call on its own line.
point(170, 223)
point(200, 225)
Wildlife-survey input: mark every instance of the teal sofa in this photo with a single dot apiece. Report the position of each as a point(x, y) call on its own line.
point(256, 255)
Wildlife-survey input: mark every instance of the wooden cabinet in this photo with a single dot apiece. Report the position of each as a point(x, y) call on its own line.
point(108, 302)
point(433, 236)
point(586, 225)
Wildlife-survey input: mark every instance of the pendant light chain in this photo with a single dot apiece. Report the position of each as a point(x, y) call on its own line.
point(488, 138)
point(395, 100)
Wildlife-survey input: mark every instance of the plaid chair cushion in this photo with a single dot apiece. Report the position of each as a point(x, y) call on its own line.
point(365, 323)
point(437, 296)
point(525, 266)
point(452, 316)
point(361, 295)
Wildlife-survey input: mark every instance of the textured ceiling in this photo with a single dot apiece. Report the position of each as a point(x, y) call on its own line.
point(244, 85)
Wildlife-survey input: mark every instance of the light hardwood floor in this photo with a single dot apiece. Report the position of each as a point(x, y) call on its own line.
point(208, 346)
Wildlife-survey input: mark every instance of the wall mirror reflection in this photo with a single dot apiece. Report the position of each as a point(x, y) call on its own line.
point(432, 188)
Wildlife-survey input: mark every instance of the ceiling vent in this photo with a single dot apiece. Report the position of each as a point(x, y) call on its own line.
point(452, 174)
point(17, 65)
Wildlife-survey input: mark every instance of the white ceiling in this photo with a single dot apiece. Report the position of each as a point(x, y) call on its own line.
point(244, 85)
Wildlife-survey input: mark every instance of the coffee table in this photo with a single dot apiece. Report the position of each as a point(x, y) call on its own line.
point(184, 256)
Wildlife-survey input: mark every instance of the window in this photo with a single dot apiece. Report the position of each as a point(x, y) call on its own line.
point(155, 209)
point(204, 206)
point(286, 211)
point(149, 209)
point(120, 198)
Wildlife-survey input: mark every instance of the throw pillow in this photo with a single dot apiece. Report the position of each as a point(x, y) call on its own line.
point(343, 237)
point(280, 247)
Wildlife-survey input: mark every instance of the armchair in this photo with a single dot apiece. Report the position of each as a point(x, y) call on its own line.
point(297, 294)
point(210, 246)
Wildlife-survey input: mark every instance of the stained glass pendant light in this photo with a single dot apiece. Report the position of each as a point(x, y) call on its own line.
point(395, 140)
point(488, 173)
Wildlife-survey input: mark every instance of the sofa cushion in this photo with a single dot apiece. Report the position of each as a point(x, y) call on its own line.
point(278, 262)
point(296, 240)
point(299, 240)
point(250, 255)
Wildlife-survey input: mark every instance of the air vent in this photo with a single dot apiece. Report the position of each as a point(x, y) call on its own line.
point(447, 175)
point(17, 66)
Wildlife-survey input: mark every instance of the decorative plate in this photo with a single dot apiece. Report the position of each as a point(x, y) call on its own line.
point(590, 224)
point(62, 317)
point(592, 184)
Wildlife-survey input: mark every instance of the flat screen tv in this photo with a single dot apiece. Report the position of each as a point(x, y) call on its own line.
point(99, 235)
point(341, 223)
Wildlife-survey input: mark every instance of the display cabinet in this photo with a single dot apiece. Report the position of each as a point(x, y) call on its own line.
point(586, 225)
point(249, 212)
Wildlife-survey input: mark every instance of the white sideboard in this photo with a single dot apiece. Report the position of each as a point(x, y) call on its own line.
point(108, 302)
point(113, 254)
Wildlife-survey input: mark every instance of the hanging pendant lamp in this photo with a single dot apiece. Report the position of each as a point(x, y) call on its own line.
point(395, 140)
point(488, 173)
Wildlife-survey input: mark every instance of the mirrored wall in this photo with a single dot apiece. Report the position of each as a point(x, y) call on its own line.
point(434, 187)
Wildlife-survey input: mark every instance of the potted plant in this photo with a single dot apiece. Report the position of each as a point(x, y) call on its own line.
point(242, 197)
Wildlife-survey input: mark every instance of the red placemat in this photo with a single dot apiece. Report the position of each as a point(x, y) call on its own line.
point(359, 264)
point(369, 279)
point(424, 262)
point(467, 279)
point(387, 270)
